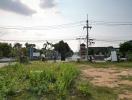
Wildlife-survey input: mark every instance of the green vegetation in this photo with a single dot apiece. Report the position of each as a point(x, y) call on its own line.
point(108, 64)
point(37, 80)
point(64, 49)
point(126, 49)
point(48, 81)
point(5, 50)
point(53, 80)
point(126, 78)
point(95, 92)
point(13, 79)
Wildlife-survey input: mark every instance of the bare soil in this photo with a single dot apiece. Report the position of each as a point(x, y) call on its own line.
point(110, 77)
point(3, 64)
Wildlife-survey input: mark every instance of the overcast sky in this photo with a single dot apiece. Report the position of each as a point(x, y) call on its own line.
point(42, 16)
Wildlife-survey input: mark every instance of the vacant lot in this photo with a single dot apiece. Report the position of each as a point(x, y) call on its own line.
point(66, 81)
point(117, 76)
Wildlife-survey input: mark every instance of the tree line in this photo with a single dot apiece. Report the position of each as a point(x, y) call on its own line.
point(16, 50)
point(126, 49)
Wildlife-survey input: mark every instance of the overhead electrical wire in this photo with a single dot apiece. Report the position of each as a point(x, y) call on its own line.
point(68, 25)
point(13, 40)
point(111, 23)
point(43, 40)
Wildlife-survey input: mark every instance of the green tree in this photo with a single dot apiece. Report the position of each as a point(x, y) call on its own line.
point(64, 49)
point(5, 49)
point(17, 45)
point(126, 47)
point(27, 45)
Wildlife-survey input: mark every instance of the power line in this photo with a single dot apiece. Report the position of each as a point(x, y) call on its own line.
point(42, 28)
point(111, 23)
point(36, 40)
point(68, 25)
point(48, 28)
point(66, 39)
point(110, 40)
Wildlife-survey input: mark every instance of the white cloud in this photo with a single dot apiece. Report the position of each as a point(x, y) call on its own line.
point(16, 6)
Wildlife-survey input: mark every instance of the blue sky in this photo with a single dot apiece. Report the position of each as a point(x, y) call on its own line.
point(97, 9)
point(41, 13)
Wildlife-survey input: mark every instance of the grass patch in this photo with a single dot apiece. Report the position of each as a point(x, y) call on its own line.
point(126, 78)
point(124, 64)
point(96, 93)
point(97, 64)
point(108, 64)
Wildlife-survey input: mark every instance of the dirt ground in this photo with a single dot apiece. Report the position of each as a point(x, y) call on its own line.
point(6, 63)
point(111, 77)
point(3, 64)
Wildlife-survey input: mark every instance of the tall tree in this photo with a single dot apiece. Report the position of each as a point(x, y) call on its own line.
point(64, 49)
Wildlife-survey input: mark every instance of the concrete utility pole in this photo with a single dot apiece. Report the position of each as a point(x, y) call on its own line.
point(87, 27)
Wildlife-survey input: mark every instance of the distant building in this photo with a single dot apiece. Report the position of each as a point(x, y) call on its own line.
point(100, 50)
point(82, 51)
point(98, 53)
point(51, 55)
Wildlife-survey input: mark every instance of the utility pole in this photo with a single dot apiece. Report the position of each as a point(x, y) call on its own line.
point(87, 27)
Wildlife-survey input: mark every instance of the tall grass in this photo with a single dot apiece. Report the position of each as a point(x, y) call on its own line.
point(37, 78)
point(12, 80)
point(53, 80)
